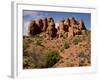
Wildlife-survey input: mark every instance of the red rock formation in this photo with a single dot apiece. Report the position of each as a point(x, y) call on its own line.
point(45, 24)
point(68, 28)
point(32, 28)
point(74, 28)
point(68, 23)
point(62, 28)
point(40, 25)
point(51, 30)
point(81, 24)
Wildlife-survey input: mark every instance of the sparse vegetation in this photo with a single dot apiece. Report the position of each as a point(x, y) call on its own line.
point(81, 54)
point(40, 60)
point(51, 57)
point(83, 58)
point(64, 46)
point(27, 63)
point(25, 46)
point(76, 40)
point(38, 42)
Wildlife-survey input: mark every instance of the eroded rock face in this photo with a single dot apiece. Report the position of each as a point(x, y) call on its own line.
point(40, 25)
point(32, 28)
point(62, 25)
point(67, 28)
point(68, 23)
point(75, 27)
point(81, 24)
point(62, 30)
point(51, 30)
point(45, 24)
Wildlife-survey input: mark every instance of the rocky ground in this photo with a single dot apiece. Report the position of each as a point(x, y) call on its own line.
point(40, 52)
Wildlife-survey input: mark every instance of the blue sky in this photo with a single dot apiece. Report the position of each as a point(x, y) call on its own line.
point(29, 15)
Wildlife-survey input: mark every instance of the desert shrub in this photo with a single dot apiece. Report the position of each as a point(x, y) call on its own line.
point(38, 57)
point(25, 46)
point(82, 58)
point(41, 60)
point(81, 54)
point(45, 60)
point(51, 58)
point(61, 49)
point(35, 60)
point(66, 44)
point(29, 40)
point(27, 63)
point(38, 42)
point(76, 40)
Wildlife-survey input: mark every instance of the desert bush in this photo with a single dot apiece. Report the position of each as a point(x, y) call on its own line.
point(76, 40)
point(45, 60)
point(38, 57)
point(81, 54)
point(27, 63)
point(66, 44)
point(51, 58)
point(38, 42)
point(41, 60)
point(25, 46)
point(82, 58)
point(35, 60)
point(29, 40)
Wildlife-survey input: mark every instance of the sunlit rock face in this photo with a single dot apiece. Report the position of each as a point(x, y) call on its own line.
point(51, 30)
point(66, 27)
point(45, 24)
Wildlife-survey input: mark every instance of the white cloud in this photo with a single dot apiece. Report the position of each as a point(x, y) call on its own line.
point(25, 28)
point(30, 13)
point(34, 15)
